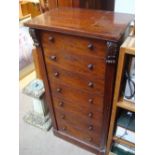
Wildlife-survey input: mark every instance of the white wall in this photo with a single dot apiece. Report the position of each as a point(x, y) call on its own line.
point(125, 6)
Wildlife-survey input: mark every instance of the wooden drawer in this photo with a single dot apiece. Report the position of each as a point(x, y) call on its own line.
point(73, 79)
point(81, 98)
point(79, 121)
point(85, 136)
point(77, 63)
point(62, 102)
point(72, 45)
point(87, 114)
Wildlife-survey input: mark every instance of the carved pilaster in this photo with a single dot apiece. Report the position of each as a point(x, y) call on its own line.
point(34, 37)
point(112, 49)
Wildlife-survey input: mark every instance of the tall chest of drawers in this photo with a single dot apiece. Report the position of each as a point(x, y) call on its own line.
point(78, 52)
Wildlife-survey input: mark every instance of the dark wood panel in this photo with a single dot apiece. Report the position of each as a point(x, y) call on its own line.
point(77, 95)
point(78, 122)
point(78, 142)
point(108, 5)
point(82, 135)
point(79, 64)
point(103, 25)
point(90, 104)
point(91, 4)
point(76, 3)
point(95, 117)
point(73, 45)
point(76, 80)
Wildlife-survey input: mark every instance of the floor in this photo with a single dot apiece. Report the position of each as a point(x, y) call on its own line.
point(34, 141)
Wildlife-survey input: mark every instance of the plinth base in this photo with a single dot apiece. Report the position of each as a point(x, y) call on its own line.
point(40, 121)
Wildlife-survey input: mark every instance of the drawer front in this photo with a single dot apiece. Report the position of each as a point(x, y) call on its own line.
point(75, 80)
point(52, 42)
point(80, 64)
point(78, 121)
point(81, 98)
point(73, 130)
point(88, 114)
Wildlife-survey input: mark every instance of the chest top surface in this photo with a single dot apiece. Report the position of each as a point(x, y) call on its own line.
point(83, 22)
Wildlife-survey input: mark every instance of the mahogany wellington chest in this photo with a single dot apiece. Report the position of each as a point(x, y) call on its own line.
point(78, 50)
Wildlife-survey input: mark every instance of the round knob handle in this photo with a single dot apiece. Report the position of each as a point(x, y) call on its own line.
point(90, 84)
point(90, 127)
point(90, 46)
point(89, 139)
point(90, 114)
point(53, 57)
point(61, 104)
point(51, 38)
point(90, 66)
point(56, 74)
point(58, 90)
point(64, 128)
point(63, 116)
point(90, 100)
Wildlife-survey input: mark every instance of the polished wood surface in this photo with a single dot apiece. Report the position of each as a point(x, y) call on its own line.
point(76, 80)
point(89, 23)
point(79, 97)
point(79, 71)
point(78, 45)
point(75, 110)
point(84, 135)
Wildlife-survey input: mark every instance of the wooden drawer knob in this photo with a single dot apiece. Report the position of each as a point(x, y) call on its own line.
point(90, 66)
point(58, 90)
point(90, 46)
point(63, 116)
point(90, 100)
point(53, 57)
point(90, 84)
point(64, 128)
point(90, 114)
point(61, 104)
point(51, 38)
point(90, 127)
point(56, 74)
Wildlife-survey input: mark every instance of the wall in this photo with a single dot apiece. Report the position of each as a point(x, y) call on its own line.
point(125, 6)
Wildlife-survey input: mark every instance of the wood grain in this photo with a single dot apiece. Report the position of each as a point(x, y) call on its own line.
point(77, 96)
point(76, 80)
point(83, 22)
point(126, 105)
point(73, 45)
point(78, 52)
